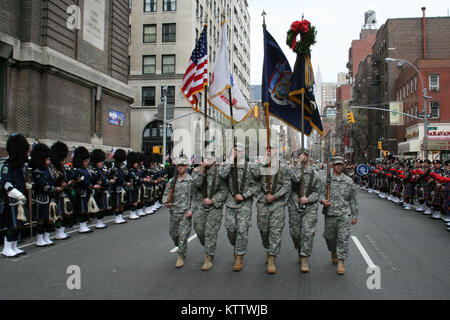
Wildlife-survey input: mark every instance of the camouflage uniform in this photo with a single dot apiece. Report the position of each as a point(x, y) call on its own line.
point(238, 215)
point(302, 222)
point(207, 221)
point(271, 217)
point(180, 224)
point(339, 214)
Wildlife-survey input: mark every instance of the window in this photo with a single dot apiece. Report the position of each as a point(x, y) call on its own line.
point(434, 82)
point(407, 88)
point(415, 83)
point(416, 110)
point(170, 94)
point(149, 65)
point(149, 5)
point(168, 64)
point(169, 5)
point(169, 33)
point(149, 33)
point(412, 86)
point(148, 96)
point(434, 109)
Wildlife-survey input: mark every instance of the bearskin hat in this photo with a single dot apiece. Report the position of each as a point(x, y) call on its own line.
point(80, 154)
point(59, 151)
point(120, 156)
point(97, 156)
point(39, 154)
point(17, 147)
point(132, 158)
point(147, 160)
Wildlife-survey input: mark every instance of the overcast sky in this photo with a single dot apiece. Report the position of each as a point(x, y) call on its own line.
point(337, 24)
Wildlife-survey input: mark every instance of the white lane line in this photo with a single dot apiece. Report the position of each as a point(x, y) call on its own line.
point(363, 252)
point(189, 240)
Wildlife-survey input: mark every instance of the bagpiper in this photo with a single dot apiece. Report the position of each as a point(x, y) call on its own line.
point(83, 188)
point(133, 184)
point(101, 186)
point(64, 178)
point(14, 190)
point(44, 191)
point(117, 175)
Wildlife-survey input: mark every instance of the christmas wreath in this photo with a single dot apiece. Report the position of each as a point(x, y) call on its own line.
point(307, 36)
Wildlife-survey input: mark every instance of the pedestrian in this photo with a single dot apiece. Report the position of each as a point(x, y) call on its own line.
point(44, 193)
point(14, 191)
point(272, 199)
point(207, 218)
point(178, 198)
point(241, 188)
point(302, 207)
point(341, 211)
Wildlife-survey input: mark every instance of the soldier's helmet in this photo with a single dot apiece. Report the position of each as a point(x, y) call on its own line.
point(182, 160)
point(338, 160)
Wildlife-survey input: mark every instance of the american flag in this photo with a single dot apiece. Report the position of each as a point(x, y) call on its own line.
point(192, 159)
point(196, 76)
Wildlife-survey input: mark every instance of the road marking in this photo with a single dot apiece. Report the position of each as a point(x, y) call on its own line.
point(47, 249)
point(189, 240)
point(363, 252)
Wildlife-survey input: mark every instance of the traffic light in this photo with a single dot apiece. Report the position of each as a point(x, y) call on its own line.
point(350, 117)
point(380, 145)
point(157, 149)
point(256, 112)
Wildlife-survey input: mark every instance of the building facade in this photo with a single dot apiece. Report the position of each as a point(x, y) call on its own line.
point(63, 75)
point(163, 35)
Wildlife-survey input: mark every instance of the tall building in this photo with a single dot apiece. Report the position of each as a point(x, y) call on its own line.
point(64, 76)
point(163, 35)
point(328, 98)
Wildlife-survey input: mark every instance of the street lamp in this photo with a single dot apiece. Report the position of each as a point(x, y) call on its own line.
point(425, 109)
point(164, 93)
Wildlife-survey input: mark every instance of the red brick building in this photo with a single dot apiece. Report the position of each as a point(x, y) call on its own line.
point(436, 77)
point(359, 50)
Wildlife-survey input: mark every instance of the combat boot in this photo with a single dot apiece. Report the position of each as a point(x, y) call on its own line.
point(238, 263)
point(304, 267)
point(334, 258)
point(267, 257)
point(180, 261)
point(340, 267)
point(207, 264)
point(271, 268)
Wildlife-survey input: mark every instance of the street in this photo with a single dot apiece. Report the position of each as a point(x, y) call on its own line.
point(134, 261)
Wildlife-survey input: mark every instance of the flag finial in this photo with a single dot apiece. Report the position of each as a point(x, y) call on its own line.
point(264, 18)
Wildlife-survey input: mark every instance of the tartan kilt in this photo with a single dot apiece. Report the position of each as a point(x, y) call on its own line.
point(397, 187)
point(408, 191)
point(437, 198)
point(427, 193)
point(447, 197)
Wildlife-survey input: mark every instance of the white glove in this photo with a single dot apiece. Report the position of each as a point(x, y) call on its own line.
point(28, 186)
point(14, 193)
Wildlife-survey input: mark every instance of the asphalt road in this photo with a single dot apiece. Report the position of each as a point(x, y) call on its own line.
point(133, 261)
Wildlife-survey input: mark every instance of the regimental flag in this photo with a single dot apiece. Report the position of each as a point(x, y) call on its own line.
point(196, 77)
point(222, 81)
point(281, 88)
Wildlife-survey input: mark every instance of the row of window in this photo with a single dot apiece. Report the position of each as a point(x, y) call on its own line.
point(169, 33)
point(152, 5)
point(167, 64)
point(410, 86)
point(413, 110)
point(149, 94)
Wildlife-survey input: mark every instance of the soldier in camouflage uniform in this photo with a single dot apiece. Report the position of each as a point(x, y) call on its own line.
point(180, 208)
point(303, 209)
point(239, 203)
point(270, 205)
point(340, 211)
point(208, 213)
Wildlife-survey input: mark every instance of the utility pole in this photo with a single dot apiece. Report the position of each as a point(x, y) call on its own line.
point(164, 125)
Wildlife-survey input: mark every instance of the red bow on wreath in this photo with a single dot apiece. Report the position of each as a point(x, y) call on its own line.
point(301, 27)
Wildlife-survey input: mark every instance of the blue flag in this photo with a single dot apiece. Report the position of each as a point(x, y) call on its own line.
point(281, 88)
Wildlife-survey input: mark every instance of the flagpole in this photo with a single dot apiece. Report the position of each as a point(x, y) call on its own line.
point(268, 146)
point(235, 178)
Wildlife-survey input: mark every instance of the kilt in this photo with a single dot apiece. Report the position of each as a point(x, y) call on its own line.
point(100, 199)
point(41, 211)
point(133, 196)
point(408, 191)
point(397, 187)
point(80, 205)
point(447, 197)
point(437, 198)
point(427, 193)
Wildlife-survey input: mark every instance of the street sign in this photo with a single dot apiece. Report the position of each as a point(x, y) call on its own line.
point(362, 169)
